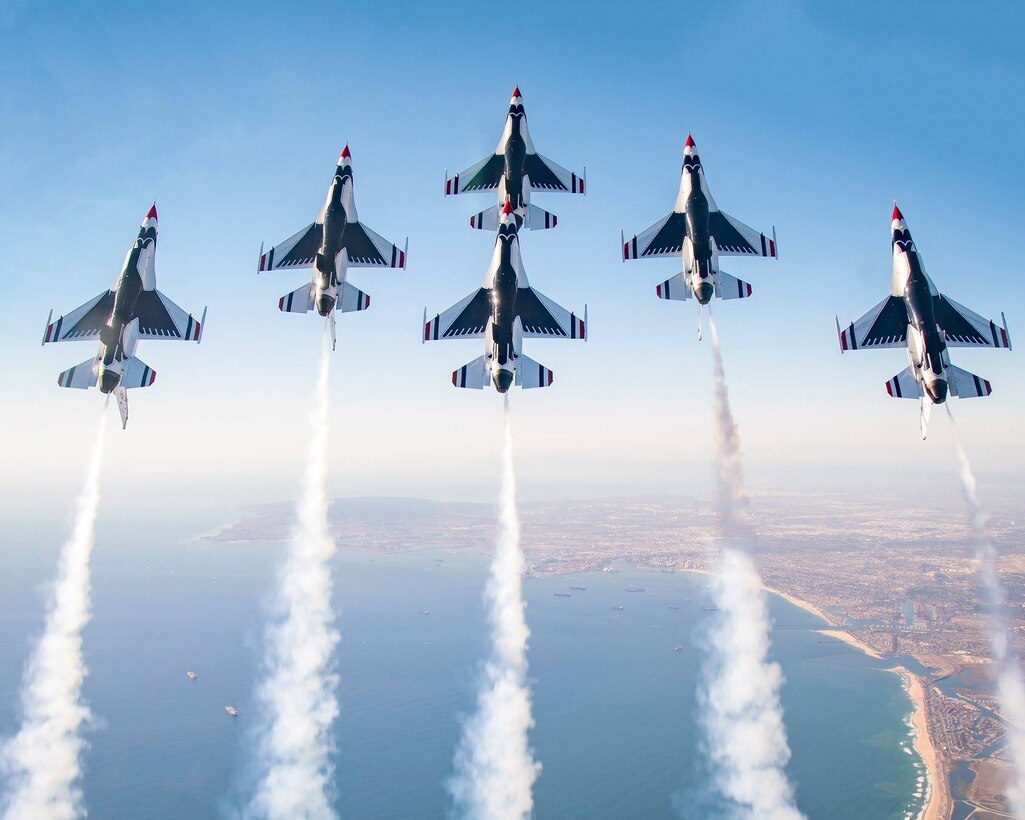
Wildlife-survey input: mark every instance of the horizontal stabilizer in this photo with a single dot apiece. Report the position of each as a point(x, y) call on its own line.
point(531, 374)
point(353, 299)
point(472, 374)
point(299, 300)
point(535, 219)
point(137, 373)
point(904, 385)
point(676, 289)
point(730, 287)
point(967, 385)
point(81, 376)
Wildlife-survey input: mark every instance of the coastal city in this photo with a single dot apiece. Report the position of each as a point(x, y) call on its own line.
point(898, 583)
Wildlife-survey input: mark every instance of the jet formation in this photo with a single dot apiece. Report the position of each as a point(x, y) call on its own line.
point(334, 242)
point(505, 310)
point(918, 317)
point(130, 311)
point(700, 233)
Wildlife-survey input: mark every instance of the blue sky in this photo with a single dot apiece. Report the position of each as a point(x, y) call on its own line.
point(811, 117)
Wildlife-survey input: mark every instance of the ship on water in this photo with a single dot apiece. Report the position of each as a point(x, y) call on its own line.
point(710, 609)
point(580, 588)
point(562, 595)
point(192, 675)
point(673, 606)
point(425, 612)
point(634, 589)
point(616, 608)
point(231, 710)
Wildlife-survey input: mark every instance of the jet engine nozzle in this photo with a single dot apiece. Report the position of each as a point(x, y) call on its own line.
point(703, 292)
point(937, 390)
point(325, 304)
point(109, 380)
point(503, 380)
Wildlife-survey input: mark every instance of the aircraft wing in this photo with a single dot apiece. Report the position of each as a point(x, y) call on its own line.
point(664, 238)
point(886, 325)
point(482, 176)
point(84, 322)
point(298, 251)
point(965, 328)
point(367, 249)
point(160, 318)
point(467, 319)
point(540, 316)
point(545, 175)
point(734, 238)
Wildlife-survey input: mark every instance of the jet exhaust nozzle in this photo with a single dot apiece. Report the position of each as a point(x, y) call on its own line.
point(503, 380)
point(703, 292)
point(937, 391)
point(325, 304)
point(109, 380)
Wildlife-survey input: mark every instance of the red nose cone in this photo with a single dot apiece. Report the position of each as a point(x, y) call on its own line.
point(508, 207)
point(690, 141)
point(152, 212)
point(345, 152)
point(896, 212)
point(516, 92)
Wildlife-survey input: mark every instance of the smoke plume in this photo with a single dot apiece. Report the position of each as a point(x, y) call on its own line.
point(297, 693)
point(742, 716)
point(495, 766)
point(1010, 688)
point(42, 762)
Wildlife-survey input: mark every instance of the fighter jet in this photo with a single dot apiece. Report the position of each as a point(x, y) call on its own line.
point(132, 310)
point(514, 170)
point(504, 311)
point(917, 316)
point(701, 233)
point(335, 242)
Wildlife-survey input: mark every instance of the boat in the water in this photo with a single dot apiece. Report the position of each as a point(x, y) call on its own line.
point(673, 606)
point(562, 595)
point(580, 588)
point(616, 608)
point(231, 710)
point(192, 675)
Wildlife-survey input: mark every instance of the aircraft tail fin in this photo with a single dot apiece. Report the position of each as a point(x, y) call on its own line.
point(676, 289)
point(904, 385)
point(531, 374)
point(536, 219)
point(967, 385)
point(730, 287)
point(81, 376)
point(299, 300)
point(472, 374)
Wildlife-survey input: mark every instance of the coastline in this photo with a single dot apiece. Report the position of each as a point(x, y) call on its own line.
point(937, 803)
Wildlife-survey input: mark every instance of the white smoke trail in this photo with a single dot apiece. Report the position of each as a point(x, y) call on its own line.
point(42, 761)
point(297, 694)
point(495, 766)
point(1010, 688)
point(743, 716)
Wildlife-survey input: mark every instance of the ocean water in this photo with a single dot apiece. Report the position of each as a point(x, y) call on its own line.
point(615, 703)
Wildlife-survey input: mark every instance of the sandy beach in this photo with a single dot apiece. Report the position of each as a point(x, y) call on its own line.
point(938, 805)
point(848, 638)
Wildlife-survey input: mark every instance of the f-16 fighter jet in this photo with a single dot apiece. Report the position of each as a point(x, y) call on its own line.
point(335, 242)
point(916, 316)
point(514, 170)
point(132, 310)
point(504, 311)
point(699, 232)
